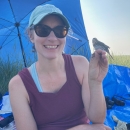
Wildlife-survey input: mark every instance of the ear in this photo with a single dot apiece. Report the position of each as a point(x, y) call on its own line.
point(31, 35)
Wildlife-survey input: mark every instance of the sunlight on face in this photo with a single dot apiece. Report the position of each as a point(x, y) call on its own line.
point(50, 46)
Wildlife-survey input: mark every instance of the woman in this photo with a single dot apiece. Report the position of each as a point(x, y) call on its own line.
point(59, 91)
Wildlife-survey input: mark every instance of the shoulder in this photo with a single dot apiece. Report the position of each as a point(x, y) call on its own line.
point(81, 66)
point(16, 80)
point(16, 87)
point(80, 61)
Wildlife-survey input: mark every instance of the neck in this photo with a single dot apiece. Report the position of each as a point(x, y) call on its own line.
point(50, 65)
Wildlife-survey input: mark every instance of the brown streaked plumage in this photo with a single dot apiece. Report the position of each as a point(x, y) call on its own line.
point(100, 45)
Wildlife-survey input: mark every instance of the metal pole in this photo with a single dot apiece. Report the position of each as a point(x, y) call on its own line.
point(20, 40)
point(17, 24)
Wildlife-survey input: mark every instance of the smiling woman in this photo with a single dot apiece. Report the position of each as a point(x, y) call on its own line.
point(54, 92)
point(48, 33)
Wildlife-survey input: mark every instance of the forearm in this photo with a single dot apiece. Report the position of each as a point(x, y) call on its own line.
point(97, 108)
point(90, 127)
point(80, 127)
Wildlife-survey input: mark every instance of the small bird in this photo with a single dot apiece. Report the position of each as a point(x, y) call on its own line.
point(100, 45)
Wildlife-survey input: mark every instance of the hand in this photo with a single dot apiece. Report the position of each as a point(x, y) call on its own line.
point(90, 127)
point(98, 66)
point(99, 127)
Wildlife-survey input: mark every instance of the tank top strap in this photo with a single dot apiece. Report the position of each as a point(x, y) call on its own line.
point(28, 80)
point(70, 69)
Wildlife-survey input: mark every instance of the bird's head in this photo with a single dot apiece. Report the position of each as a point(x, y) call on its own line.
point(94, 40)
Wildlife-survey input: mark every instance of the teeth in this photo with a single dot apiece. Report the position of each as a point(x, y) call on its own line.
point(51, 47)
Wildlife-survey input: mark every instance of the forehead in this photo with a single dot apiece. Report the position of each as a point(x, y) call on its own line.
point(51, 19)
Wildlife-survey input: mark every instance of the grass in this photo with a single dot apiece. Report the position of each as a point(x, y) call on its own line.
point(122, 60)
point(119, 59)
point(8, 69)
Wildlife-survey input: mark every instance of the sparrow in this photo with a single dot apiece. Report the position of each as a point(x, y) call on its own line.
point(100, 45)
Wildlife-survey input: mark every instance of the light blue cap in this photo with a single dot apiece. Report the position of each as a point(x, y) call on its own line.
point(42, 11)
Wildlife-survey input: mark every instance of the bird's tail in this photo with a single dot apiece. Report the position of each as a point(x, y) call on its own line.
point(110, 55)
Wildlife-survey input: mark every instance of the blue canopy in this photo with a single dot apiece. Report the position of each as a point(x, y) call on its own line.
point(14, 15)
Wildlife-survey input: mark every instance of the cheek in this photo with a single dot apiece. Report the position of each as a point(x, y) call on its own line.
point(38, 40)
point(63, 41)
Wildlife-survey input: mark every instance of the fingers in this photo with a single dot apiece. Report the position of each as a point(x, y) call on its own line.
point(101, 127)
point(100, 55)
point(100, 51)
point(108, 128)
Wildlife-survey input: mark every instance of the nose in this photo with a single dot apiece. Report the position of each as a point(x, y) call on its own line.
point(52, 36)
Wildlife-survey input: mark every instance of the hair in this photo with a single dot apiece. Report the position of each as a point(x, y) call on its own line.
point(29, 33)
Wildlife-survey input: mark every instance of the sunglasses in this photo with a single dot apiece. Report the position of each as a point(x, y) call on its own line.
point(43, 30)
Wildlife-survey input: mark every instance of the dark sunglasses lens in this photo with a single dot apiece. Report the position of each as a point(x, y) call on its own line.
point(42, 31)
point(60, 31)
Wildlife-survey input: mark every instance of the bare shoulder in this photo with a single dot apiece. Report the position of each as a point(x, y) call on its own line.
point(15, 83)
point(81, 66)
point(16, 79)
point(16, 87)
point(80, 61)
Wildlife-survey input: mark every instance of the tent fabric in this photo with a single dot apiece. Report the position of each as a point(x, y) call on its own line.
point(14, 15)
point(117, 82)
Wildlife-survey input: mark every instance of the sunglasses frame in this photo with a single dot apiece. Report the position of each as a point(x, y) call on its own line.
point(50, 29)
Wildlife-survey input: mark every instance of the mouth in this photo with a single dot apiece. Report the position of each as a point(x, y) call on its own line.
point(51, 47)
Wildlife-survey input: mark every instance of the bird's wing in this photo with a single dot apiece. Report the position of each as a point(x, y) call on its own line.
point(103, 44)
point(96, 47)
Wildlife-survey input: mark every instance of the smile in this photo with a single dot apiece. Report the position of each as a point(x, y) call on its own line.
point(51, 47)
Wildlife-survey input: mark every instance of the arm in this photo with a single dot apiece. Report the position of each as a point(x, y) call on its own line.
point(91, 81)
point(90, 127)
point(95, 107)
point(98, 68)
point(20, 105)
point(93, 98)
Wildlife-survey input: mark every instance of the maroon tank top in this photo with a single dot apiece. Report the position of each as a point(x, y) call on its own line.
point(57, 111)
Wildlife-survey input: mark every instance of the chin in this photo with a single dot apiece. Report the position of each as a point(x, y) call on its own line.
point(51, 56)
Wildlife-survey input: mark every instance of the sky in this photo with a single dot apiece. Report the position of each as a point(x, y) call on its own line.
point(109, 22)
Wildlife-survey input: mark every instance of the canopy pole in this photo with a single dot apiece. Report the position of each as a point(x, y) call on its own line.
point(17, 24)
point(20, 40)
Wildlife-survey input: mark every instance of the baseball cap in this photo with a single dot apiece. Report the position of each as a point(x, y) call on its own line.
point(42, 11)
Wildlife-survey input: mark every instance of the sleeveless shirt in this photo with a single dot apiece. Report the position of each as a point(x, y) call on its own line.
point(57, 111)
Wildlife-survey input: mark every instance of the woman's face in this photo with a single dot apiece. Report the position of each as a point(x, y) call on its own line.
point(49, 47)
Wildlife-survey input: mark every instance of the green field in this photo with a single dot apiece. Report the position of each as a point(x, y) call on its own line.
point(123, 60)
point(8, 69)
